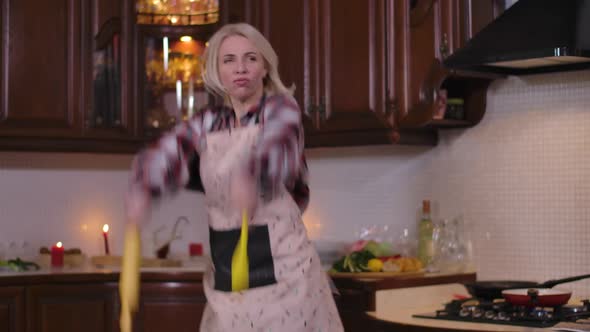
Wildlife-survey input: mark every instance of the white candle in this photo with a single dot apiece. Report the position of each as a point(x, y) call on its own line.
point(165, 53)
point(179, 97)
point(191, 98)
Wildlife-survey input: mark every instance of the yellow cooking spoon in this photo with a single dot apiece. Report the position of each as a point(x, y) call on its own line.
point(129, 278)
point(239, 262)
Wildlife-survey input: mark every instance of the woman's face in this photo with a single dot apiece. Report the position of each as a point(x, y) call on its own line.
point(241, 68)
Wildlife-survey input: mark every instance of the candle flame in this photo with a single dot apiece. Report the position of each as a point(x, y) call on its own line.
point(105, 228)
point(59, 244)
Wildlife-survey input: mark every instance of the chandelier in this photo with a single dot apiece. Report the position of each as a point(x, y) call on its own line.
point(177, 12)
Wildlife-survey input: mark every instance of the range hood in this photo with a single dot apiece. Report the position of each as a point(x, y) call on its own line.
point(532, 36)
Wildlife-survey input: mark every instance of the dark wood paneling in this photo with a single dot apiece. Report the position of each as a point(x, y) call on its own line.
point(43, 67)
point(290, 19)
point(104, 10)
point(171, 307)
point(352, 67)
point(89, 308)
point(12, 303)
point(297, 57)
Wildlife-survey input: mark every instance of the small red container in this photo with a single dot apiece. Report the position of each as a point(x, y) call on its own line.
point(195, 249)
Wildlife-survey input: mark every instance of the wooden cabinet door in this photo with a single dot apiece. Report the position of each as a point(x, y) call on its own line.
point(72, 308)
point(40, 68)
point(49, 75)
point(12, 307)
point(351, 66)
point(428, 37)
point(109, 78)
point(432, 30)
point(288, 25)
point(335, 54)
point(171, 306)
point(354, 76)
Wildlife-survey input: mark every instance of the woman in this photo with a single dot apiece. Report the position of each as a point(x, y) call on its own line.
point(249, 156)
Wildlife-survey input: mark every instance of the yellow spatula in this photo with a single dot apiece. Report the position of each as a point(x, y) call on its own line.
point(240, 279)
point(129, 278)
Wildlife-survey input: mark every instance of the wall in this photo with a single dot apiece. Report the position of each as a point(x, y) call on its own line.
point(520, 178)
point(49, 197)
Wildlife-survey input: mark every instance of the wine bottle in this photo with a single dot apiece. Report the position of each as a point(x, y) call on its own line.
point(425, 230)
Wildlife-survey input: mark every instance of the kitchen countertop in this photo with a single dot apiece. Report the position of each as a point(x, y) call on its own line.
point(90, 273)
point(396, 306)
point(409, 280)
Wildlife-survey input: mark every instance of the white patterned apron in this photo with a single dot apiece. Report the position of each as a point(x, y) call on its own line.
point(297, 297)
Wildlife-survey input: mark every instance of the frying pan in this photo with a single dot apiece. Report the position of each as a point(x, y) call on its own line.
point(489, 290)
point(537, 297)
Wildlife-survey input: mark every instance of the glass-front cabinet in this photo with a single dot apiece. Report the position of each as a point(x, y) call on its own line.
point(105, 110)
point(171, 40)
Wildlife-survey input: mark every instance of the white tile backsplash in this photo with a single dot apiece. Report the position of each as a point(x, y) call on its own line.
point(520, 178)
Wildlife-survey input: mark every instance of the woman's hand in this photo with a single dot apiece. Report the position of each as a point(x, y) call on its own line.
point(243, 191)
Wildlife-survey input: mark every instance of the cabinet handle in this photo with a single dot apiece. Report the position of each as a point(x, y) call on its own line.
point(444, 46)
point(322, 109)
point(310, 109)
point(390, 107)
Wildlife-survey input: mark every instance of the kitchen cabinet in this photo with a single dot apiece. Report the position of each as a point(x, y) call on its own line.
point(163, 95)
point(64, 302)
point(53, 56)
point(365, 71)
point(341, 65)
point(433, 29)
point(357, 296)
point(373, 77)
point(72, 308)
point(171, 306)
point(12, 307)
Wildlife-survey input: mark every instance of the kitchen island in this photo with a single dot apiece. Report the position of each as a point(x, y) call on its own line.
point(359, 295)
point(86, 299)
point(395, 310)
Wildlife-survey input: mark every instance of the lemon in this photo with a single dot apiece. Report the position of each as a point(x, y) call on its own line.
point(375, 265)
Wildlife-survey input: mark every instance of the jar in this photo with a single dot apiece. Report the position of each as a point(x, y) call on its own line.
point(455, 109)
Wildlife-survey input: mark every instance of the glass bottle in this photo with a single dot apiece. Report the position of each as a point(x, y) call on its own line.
point(425, 230)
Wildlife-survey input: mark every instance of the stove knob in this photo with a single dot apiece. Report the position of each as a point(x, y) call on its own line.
point(503, 316)
point(539, 313)
point(477, 313)
point(490, 314)
point(464, 312)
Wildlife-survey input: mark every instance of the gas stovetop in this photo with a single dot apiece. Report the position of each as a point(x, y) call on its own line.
point(501, 312)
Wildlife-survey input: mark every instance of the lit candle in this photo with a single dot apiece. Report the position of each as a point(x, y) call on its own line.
point(57, 255)
point(105, 232)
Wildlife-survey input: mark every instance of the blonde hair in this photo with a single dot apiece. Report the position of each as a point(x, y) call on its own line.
point(272, 82)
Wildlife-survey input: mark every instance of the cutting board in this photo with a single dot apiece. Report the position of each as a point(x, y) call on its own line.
point(375, 275)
